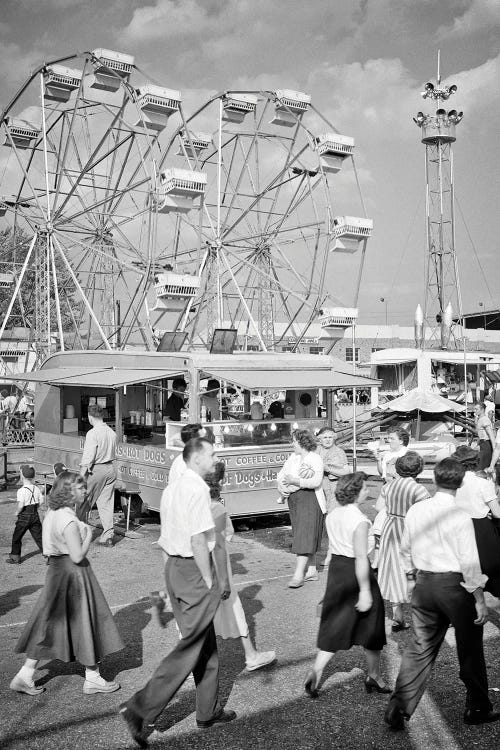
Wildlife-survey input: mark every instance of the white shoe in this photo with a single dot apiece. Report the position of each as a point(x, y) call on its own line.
point(21, 686)
point(312, 576)
point(89, 687)
point(262, 659)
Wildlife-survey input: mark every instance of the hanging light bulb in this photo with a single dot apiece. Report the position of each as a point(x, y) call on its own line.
point(250, 428)
point(226, 429)
point(295, 426)
point(273, 427)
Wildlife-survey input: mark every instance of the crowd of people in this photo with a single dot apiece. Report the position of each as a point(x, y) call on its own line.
point(438, 554)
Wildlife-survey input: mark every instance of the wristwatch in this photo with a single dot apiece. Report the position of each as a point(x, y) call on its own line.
point(411, 575)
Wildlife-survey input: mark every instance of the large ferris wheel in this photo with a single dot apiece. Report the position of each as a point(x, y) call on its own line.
point(138, 219)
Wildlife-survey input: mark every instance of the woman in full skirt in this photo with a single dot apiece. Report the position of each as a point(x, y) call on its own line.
point(71, 620)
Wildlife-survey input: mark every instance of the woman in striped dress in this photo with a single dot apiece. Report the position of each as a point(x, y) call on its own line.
point(400, 495)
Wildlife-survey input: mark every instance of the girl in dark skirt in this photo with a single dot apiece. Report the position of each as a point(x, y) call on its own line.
point(353, 609)
point(300, 481)
point(71, 620)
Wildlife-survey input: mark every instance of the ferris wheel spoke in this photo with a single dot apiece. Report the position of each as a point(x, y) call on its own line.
point(69, 138)
point(91, 163)
point(243, 301)
point(88, 216)
point(263, 192)
point(93, 206)
point(102, 254)
point(244, 167)
point(267, 277)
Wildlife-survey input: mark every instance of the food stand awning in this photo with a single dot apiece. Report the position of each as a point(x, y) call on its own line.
point(255, 379)
point(91, 377)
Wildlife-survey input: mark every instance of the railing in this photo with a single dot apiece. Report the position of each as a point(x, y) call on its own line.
point(15, 437)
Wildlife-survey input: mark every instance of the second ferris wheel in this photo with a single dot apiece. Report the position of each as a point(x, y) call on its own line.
point(246, 207)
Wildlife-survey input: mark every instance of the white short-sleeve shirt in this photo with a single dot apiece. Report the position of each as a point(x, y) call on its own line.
point(341, 523)
point(185, 512)
point(177, 469)
point(54, 524)
point(475, 494)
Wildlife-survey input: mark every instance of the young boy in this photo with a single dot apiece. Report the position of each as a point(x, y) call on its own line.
point(29, 498)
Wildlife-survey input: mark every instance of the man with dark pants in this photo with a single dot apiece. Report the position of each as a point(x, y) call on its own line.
point(97, 466)
point(439, 554)
point(188, 538)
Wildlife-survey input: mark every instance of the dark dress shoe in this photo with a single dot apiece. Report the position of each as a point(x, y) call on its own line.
point(395, 717)
point(478, 716)
point(135, 725)
point(371, 685)
point(221, 717)
point(13, 560)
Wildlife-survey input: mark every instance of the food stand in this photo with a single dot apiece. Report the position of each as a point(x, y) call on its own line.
point(133, 388)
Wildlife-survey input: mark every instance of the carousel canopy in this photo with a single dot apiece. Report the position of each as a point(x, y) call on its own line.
point(422, 400)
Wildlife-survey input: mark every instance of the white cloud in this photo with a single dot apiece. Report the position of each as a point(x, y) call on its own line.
point(481, 15)
point(166, 19)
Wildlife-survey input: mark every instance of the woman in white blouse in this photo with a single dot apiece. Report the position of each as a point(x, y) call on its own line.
point(353, 609)
point(300, 482)
point(71, 620)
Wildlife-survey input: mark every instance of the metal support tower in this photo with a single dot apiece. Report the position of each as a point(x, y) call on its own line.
point(442, 291)
point(43, 334)
point(265, 298)
point(213, 293)
point(108, 302)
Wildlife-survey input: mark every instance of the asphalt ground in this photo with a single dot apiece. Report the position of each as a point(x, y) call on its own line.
point(273, 710)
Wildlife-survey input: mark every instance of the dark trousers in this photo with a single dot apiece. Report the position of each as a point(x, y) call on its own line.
point(485, 454)
point(194, 607)
point(27, 520)
point(437, 600)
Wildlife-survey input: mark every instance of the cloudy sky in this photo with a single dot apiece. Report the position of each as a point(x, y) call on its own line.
point(363, 62)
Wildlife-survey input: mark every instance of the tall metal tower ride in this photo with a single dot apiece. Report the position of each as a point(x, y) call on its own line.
point(442, 291)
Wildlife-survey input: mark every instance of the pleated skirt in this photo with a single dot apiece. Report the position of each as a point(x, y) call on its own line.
point(307, 522)
point(341, 625)
point(391, 576)
point(488, 547)
point(71, 620)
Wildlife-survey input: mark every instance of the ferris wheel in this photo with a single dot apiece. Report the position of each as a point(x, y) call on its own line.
point(246, 209)
point(130, 218)
point(77, 172)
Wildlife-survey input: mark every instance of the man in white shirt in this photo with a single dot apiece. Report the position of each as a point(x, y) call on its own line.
point(97, 466)
point(188, 538)
point(440, 557)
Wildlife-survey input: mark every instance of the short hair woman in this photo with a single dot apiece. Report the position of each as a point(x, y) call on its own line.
point(300, 481)
point(353, 609)
point(71, 620)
